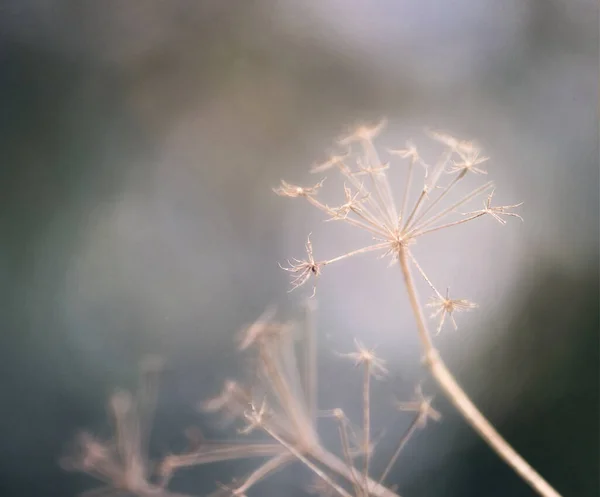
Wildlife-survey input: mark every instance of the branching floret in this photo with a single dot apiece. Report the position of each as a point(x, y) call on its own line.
point(446, 307)
point(304, 269)
point(366, 356)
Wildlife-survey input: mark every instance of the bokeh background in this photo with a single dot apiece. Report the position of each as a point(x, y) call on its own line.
point(140, 141)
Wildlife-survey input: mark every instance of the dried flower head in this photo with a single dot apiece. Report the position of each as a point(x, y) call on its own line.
point(470, 159)
point(496, 212)
point(303, 270)
point(331, 162)
point(422, 406)
point(121, 462)
point(394, 228)
point(288, 190)
point(408, 152)
point(446, 307)
point(280, 400)
point(364, 355)
point(363, 133)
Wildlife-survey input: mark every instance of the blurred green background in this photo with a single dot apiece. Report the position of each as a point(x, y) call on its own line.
point(140, 141)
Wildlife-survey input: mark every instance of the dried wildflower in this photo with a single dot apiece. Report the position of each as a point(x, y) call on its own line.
point(363, 133)
point(366, 356)
point(289, 419)
point(469, 162)
point(305, 269)
point(395, 232)
point(447, 307)
point(288, 190)
point(496, 212)
point(422, 406)
point(121, 462)
point(373, 208)
point(453, 143)
point(332, 161)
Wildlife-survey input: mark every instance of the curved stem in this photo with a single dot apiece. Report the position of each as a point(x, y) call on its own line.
point(460, 399)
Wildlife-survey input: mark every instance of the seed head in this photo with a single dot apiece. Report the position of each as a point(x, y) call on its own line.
point(288, 190)
point(422, 406)
point(363, 355)
point(305, 269)
point(445, 306)
point(496, 212)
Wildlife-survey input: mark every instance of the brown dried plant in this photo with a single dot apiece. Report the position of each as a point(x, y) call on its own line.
point(280, 398)
point(396, 229)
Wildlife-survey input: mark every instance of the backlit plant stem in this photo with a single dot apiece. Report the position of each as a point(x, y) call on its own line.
point(460, 399)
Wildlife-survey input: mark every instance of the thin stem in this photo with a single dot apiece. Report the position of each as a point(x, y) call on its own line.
point(363, 250)
point(313, 467)
point(362, 213)
point(146, 403)
point(425, 277)
point(286, 397)
point(443, 213)
point(459, 398)
point(407, 188)
point(412, 429)
point(346, 450)
point(127, 428)
point(211, 453)
point(386, 193)
point(445, 192)
point(366, 420)
point(448, 225)
point(359, 224)
point(349, 472)
point(388, 219)
point(310, 360)
point(429, 185)
point(415, 208)
point(263, 471)
point(414, 300)
point(363, 191)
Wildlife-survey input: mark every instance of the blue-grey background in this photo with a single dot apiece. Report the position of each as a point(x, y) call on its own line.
point(140, 141)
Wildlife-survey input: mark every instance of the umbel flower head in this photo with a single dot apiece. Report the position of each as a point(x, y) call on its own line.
point(429, 200)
